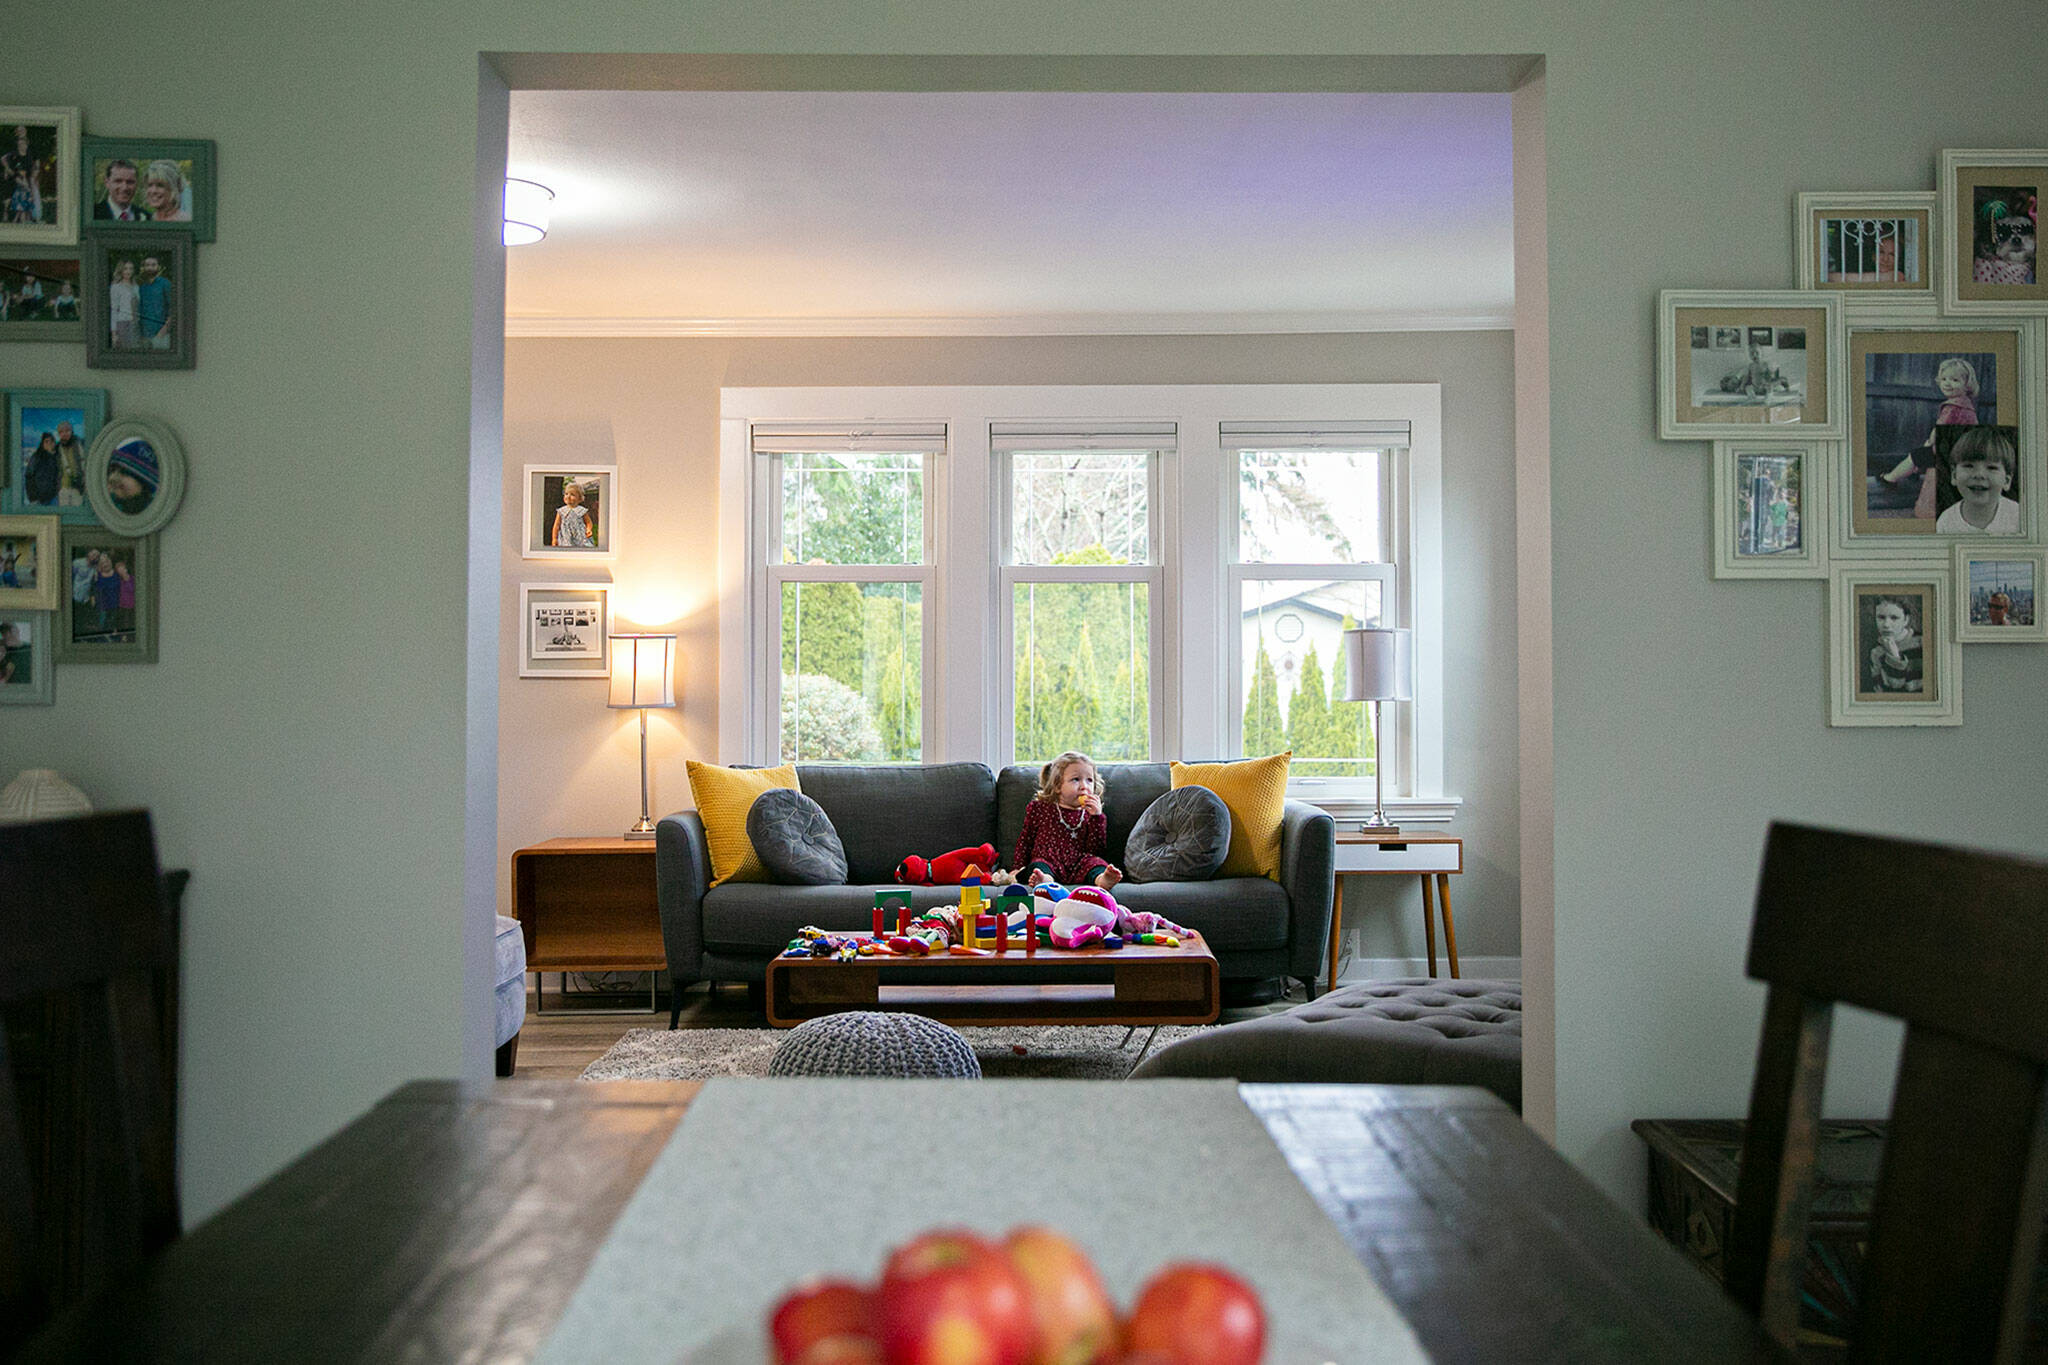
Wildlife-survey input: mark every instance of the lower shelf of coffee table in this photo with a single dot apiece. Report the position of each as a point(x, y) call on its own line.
point(1143, 991)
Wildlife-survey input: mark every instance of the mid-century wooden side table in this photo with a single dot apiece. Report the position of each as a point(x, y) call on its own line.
point(1409, 854)
point(587, 905)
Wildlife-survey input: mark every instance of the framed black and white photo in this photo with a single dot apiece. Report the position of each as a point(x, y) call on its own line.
point(1733, 364)
point(135, 475)
point(141, 301)
point(570, 512)
point(1990, 219)
point(29, 573)
point(1862, 244)
point(2000, 591)
point(42, 294)
point(110, 598)
point(49, 435)
point(1892, 652)
point(130, 184)
point(38, 175)
point(564, 629)
point(1770, 509)
point(27, 659)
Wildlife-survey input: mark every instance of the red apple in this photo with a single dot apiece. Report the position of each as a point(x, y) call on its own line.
point(951, 1297)
point(1195, 1314)
point(1071, 1311)
point(816, 1312)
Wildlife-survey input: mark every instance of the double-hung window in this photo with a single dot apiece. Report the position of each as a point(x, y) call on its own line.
point(1082, 588)
point(846, 548)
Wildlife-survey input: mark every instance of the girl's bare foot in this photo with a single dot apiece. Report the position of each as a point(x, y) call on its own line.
point(1108, 878)
point(1037, 877)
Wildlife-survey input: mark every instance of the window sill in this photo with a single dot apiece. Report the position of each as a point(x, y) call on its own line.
point(1406, 810)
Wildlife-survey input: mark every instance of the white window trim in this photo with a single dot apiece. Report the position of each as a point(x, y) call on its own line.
point(1197, 538)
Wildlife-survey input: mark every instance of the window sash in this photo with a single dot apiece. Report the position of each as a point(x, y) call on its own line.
point(1393, 513)
point(1153, 576)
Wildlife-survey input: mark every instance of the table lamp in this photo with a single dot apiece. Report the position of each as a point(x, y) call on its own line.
point(643, 675)
point(1379, 664)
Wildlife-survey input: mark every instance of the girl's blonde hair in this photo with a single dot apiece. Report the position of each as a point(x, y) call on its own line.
point(1956, 362)
point(1055, 772)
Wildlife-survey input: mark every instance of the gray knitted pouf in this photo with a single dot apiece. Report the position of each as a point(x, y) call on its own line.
point(873, 1043)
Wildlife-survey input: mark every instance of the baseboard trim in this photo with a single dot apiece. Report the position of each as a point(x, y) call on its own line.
point(1390, 968)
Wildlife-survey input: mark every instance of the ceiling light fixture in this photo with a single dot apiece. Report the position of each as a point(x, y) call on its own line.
point(526, 211)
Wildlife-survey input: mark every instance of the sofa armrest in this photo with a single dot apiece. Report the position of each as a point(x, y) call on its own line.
point(682, 874)
point(1308, 870)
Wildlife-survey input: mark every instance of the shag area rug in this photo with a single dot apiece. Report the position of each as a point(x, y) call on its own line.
point(1070, 1052)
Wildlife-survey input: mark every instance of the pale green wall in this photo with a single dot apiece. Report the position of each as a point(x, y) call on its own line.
point(301, 739)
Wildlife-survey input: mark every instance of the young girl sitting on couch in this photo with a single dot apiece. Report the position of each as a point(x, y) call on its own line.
point(1065, 831)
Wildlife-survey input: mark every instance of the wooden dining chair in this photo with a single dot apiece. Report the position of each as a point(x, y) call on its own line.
point(1955, 943)
point(88, 1188)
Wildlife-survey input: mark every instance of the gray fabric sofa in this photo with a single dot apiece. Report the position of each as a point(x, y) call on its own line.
point(1258, 928)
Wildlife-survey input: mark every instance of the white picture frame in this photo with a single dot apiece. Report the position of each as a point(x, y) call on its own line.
point(1877, 246)
point(1786, 536)
point(564, 630)
point(1985, 571)
point(1918, 683)
point(1728, 364)
point(54, 141)
point(542, 505)
point(1974, 178)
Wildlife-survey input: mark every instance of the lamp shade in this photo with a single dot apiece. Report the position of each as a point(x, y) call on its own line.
point(1379, 665)
point(526, 211)
point(643, 671)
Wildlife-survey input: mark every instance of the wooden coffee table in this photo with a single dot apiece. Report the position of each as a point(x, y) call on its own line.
point(1148, 986)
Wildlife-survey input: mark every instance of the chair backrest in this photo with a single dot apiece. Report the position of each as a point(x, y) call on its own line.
point(83, 938)
point(1955, 943)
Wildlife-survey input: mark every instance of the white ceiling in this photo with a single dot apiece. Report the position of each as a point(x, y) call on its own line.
point(774, 213)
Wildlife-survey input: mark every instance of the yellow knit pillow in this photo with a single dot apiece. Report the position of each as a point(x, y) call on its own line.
point(723, 797)
point(1254, 790)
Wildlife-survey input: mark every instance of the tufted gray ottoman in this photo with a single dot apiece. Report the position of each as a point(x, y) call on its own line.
point(1415, 1031)
point(873, 1043)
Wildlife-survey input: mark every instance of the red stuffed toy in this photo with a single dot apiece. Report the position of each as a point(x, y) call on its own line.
point(945, 869)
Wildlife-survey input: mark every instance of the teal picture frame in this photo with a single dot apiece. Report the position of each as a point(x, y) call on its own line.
point(28, 658)
point(24, 433)
point(197, 161)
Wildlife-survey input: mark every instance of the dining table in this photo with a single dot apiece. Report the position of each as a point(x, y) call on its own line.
point(454, 1221)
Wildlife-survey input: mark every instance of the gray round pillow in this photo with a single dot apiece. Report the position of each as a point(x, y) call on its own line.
point(794, 839)
point(871, 1043)
point(1181, 837)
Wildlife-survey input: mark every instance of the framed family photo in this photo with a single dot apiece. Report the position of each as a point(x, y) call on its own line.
point(27, 662)
point(2000, 590)
point(1893, 658)
point(563, 630)
point(38, 175)
point(570, 512)
point(1944, 437)
point(141, 183)
point(141, 301)
point(1868, 244)
point(135, 475)
point(42, 294)
point(1990, 215)
point(28, 563)
point(109, 598)
point(1770, 509)
point(1731, 364)
point(49, 434)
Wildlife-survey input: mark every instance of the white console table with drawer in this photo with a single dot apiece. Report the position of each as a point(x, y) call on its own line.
point(1408, 854)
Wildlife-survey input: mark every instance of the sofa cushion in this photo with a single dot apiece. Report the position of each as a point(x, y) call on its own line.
point(1181, 837)
point(1235, 914)
point(723, 797)
point(885, 813)
point(794, 840)
point(1255, 789)
point(1128, 789)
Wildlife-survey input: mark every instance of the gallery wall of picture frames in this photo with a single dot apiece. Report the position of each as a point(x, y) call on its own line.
point(1881, 426)
point(98, 248)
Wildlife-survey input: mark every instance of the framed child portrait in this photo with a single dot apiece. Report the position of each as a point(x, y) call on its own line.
point(1770, 501)
point(1861, 244)
point(42, 294)
point(141, 301)
point(110, 598)
point(28, 564)
point(38, 174)
point(1990, 215)
point(1925, 399)
point(564, 630)
point(1893, 658)
point(26, 662)
point(141, 183)
point(570, 512)
point(49, 436)
point(2000, 590)
point(1733, 364)
point(135, 475)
